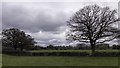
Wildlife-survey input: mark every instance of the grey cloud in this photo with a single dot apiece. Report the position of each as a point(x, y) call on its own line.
point(46, 22)
point(20, 17)
point(15, 16)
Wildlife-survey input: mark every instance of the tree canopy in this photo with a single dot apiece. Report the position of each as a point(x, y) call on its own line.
point(93, 24)
point(16, 38)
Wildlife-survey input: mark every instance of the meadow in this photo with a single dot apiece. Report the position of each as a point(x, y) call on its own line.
point(9, 60)
point(58, 61)
point(74, 51)
point(0, 60)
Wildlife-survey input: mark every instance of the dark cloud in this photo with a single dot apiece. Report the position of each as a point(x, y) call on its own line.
point(46, 22)
point(15, 16)
point(0, 16)
point(22, 18)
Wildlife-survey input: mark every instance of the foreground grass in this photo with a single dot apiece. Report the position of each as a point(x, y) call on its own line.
point(58, 61)
point(0, 60)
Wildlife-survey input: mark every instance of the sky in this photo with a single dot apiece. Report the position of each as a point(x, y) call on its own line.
point(44, 21)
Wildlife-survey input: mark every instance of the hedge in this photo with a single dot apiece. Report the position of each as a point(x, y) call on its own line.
point(16, 52)
point(107, 54)
point(27, 53)
point(60, 53)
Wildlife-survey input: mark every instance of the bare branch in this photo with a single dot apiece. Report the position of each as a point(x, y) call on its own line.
point(93, 23)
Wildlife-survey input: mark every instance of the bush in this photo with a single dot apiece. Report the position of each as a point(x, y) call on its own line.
point(107, 54)
point(16, 52)
point(60, 53)
point(27, 53)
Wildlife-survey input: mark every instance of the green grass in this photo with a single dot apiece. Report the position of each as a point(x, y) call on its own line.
point(73, 50)
point(58, 61)
point(0, 60)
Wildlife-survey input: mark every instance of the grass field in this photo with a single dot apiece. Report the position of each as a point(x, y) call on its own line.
point(0, 60)
point(58, 61)
point(73, 50)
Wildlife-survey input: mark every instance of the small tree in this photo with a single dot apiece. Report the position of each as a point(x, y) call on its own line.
point(92, 24)
point(15, 38)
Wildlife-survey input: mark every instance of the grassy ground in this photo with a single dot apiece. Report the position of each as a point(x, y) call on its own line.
point(58, 61)
point(0, 60)
point(88, 51)
point(73, 50)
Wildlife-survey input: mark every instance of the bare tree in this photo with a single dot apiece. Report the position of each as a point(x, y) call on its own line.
point(93, 24)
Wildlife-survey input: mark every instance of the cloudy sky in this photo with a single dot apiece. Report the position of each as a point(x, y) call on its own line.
point(44, 21)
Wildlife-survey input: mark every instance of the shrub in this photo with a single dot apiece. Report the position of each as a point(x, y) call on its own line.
point(60, 53)
point(27, 53)
point(107, 54)
point(16, 52)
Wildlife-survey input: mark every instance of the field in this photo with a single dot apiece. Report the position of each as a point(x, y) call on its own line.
point(59, 60)
point(0, 60)
point(73, 51)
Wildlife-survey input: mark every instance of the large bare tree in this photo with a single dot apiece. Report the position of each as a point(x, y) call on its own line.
point(93, 24)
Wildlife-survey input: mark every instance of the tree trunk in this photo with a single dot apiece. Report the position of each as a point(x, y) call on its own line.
point(92, 48)
point(21, 47)
point(15, 47)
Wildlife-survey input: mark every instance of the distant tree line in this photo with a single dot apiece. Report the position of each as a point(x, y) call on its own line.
point(77, 47)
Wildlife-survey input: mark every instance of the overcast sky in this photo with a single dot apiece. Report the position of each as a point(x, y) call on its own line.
point(44, 21)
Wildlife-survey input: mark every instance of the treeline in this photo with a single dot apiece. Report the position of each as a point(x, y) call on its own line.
point(77, 47)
